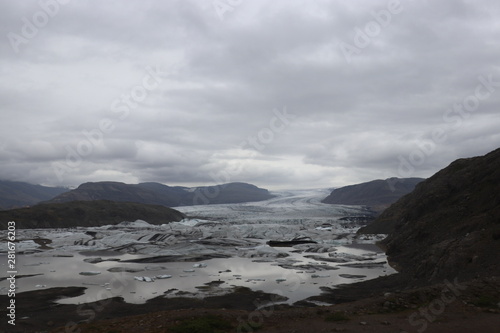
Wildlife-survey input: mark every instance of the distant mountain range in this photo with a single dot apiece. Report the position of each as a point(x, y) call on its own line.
point(159, 194)
point(449, 226)
point(377, 194)
point(20, 194)
point(88, 214)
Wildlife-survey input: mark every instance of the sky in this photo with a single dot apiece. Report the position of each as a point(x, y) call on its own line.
point(282, 94)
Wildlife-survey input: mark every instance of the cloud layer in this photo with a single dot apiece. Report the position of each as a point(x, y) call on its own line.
point(283, 94)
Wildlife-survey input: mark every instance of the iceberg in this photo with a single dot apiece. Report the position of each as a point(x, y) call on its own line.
point(202, 265)
point(144, 278)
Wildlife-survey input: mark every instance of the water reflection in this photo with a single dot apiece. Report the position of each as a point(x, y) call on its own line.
point(296, 284)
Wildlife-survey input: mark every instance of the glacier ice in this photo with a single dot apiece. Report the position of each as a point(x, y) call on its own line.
point(144, 278)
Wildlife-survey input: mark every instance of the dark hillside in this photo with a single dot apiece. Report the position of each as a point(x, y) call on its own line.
point(377, 194)
point(87, 214)
point(230, 193)
point(449, 226)
point(115, 191)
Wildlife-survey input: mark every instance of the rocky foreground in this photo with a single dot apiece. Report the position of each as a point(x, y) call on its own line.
point(451, 306)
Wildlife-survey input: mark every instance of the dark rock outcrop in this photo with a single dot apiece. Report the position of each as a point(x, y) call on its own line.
point(87, 214)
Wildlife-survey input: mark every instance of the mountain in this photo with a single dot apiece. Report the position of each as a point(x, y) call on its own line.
point(88, 214)
point(176, 195)
point(20, 194)
point(449, 226)
point(159, 194)
point(378, 194)
point(230, 193)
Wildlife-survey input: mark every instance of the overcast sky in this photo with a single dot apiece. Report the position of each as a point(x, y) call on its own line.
point(281, 94)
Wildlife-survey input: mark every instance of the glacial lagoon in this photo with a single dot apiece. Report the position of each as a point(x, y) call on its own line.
point(214, 250)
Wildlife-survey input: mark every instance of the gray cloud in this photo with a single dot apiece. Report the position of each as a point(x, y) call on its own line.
point(167, 91)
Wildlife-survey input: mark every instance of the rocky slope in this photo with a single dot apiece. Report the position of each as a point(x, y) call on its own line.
point(159, 194)
point(449, 226)
point(87, 214)
point(377, 194)
point(20, 194)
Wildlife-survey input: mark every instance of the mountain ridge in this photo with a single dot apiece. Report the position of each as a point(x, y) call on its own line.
point(15, 194)
point(160, 194)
